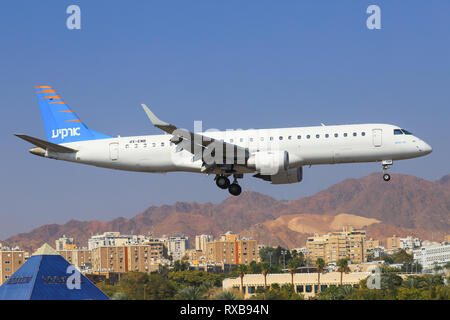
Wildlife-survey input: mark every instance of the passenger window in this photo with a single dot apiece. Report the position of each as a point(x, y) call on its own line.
point(290, 137)
point(262, 138)
point(354, 134)
point(153, 144)
point(241, 140)
point(231, 140)
point(308, 136)
point(251, 139)
point(363, 134)
point(336, 135)
point(271, 138)
point(345, 134)
point(299, 137)
point(162, 144)
point(327, 135)
point(281, 138)
point(317, 136)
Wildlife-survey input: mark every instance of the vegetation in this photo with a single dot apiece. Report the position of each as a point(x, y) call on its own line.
point(342, 265)
point(286, 292)
point(182, 283)
point(393, 287)
point(320, 266)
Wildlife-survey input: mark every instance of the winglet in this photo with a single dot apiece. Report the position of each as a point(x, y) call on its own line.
point(167, 127)
point(153, 118)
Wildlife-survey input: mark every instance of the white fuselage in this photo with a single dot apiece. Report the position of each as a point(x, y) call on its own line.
point(305, 145)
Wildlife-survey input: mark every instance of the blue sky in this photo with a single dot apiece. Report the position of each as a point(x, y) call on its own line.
point(231, 64)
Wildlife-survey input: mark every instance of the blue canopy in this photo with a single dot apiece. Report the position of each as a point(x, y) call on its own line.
point(49, 277)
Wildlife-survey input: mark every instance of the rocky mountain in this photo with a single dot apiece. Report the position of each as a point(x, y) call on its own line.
point(445, 180)
point(405, 205)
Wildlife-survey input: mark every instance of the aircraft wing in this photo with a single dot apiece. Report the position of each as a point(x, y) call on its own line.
point(214, 153)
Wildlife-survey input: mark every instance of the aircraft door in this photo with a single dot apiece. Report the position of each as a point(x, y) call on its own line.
point(114, 151)
point(377, 137)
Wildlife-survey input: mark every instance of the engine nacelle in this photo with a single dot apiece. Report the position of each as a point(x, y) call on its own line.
point(283, 177)
point(269, 162)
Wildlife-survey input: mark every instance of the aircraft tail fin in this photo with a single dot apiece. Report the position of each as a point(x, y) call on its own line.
point(61, 122)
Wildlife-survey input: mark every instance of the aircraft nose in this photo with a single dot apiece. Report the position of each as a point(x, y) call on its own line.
point(427, 148)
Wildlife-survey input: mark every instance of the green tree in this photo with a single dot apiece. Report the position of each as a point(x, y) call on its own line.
point(190, 293)
point(254, 268)
point(181, 265)
point(119, 296)
point(227, 295)
point(342, 265)
point(320, 266)
point(242, 269)
point(292, 267)
point(401, 256)
point(265, 270)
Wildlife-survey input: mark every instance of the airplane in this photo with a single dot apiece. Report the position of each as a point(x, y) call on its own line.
point(274, 155)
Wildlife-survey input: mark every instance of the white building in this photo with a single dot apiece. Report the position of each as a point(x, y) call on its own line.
point(177, 246)
point(410, 243)
point(428, 257)
point(201, 240)
point(116, 239)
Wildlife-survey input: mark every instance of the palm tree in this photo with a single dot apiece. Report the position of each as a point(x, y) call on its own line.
point(190, 293)
point(242, 269)
point(343, 267)
point(265, 270)
point(226, 295)
point(292, 267)
point(320, 265)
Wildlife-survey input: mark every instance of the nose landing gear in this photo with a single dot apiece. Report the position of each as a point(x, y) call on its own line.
point(386, 164)
point(224, 183)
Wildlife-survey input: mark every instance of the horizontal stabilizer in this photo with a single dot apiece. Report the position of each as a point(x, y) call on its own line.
point(45, 144)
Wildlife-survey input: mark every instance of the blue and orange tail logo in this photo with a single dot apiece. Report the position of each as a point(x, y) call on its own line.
point(61, 123)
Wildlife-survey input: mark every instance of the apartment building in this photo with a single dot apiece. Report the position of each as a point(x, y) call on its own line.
point(142, 257)
point(232, 250)
point(10, 261)
point(65, 243)
point(393, 243)
point(410, 243)
point(201, 241)
point(80, 258)
point(177, 246)
point(349, 243)
point(430, 256)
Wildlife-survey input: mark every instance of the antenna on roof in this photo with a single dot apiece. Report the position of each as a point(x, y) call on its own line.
point(322, 124)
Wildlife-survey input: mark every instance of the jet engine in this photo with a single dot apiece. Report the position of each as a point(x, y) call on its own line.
point(269, 162)
point(283, 177)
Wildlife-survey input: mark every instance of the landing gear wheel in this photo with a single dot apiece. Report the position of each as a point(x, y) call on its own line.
point(222, 182)
point(235, 189)
point(386, 177)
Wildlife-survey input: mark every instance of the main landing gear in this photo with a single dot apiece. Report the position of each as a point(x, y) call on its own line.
point(386, 164)
point(224, 183)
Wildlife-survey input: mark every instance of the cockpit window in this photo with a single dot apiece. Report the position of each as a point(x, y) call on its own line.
point(406, 132)
point(397, 131)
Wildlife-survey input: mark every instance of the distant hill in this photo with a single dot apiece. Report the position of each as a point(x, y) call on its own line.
point(445, 180)
point(405, 205)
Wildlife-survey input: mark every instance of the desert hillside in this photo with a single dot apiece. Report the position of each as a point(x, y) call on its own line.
point(405, 205)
